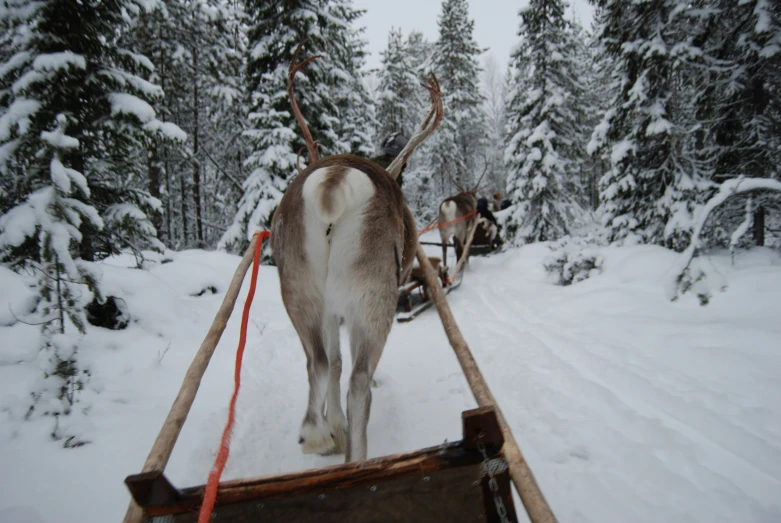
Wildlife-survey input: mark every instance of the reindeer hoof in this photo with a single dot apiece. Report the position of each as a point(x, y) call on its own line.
point(316, 440)
point(339, 435)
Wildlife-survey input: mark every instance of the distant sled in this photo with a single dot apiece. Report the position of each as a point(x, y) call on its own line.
point(414, 298)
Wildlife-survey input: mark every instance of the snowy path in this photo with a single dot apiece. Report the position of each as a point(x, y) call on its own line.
point(627, 407)
point(634, 407)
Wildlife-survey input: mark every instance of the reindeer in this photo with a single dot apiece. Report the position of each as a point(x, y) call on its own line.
point(456, 207)
point(343, 241)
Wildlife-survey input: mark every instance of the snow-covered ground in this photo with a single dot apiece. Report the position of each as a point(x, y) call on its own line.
point(627, 406)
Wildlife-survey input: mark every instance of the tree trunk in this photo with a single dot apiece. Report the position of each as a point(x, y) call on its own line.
point(155, 163)
point(183, 208)
point(154, 171)
point(196, 163)
point(759, 226)
point(169, 211)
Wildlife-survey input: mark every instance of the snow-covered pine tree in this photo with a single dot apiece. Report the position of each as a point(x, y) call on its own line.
point(741, 102)
point(593, 73)
point(543, 120)
point(401, 105)
point(396, 82)
point(73, 135)
point(72, 140)
point(357, 124)
point(495, 117)
point(197, 49)
point(454, 149)
point(655, 180)
point(276, 29)
point(223, 147)
point(157, 31)
point(401, 100)
point(421, 53)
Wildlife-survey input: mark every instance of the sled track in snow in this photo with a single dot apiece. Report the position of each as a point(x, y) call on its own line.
point(573, 374)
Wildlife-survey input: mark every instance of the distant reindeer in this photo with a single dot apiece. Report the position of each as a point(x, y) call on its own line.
point(456, 207)
point(343, 240)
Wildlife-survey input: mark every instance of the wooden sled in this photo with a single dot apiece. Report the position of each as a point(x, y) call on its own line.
point(459, 482)
point(449, 482)
point(414, 298)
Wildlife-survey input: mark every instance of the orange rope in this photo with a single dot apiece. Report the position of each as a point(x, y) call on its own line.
point(210, 495)
point(439, 226)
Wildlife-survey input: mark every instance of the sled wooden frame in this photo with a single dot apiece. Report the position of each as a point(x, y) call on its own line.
point(150, 488)
point(475, 249)
point(410, 313)
point(444, 483)
point(406, 311)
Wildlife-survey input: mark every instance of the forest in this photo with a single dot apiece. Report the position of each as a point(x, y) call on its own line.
point(628, 324)
point(130, 126)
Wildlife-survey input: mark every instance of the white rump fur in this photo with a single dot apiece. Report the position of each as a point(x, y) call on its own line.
point(333, 255)
point(448, 210)
point(355, 190)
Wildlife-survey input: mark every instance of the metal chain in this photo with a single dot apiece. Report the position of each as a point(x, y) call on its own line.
point(493, 485)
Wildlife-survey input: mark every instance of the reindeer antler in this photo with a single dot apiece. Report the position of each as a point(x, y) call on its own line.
point(485, 170)
point(429, 125)
point(291, 73)
point(460, 187)
point(298, 160)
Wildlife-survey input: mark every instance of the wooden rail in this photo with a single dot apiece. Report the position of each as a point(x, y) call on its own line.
point(465, 252)
point(533, 500)
point(164, 444)
point(520, 473)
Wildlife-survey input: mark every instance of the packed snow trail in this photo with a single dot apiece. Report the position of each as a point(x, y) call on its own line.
point(627, 407)
point(663, 409)
point(612, 425)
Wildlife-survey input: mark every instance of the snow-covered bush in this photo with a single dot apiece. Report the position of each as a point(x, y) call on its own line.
point(573, 260)
point(691, 271)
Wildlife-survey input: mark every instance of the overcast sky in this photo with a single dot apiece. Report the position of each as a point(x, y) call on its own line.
point(496, 23)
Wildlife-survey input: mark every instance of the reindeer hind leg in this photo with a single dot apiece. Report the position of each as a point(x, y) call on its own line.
point(334, 415)
point(315, 436)
point(367, 340)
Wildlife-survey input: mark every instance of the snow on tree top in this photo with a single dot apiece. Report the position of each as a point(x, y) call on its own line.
point(56, 61)
point(17, 114)
point(124, 103)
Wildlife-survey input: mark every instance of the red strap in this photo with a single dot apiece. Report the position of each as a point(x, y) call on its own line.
point(439, 226)
point(210, 495)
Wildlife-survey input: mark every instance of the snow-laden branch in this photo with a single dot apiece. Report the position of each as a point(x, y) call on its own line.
point(727, 190)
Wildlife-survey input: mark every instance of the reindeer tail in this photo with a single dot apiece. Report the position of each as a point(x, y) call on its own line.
point(331, 191)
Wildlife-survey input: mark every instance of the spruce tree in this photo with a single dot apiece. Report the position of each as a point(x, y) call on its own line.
point(599, 87)
point(401, 101)
point(396, 82)
point(197, 49)
point(455, 147)
point(655, 180)
point(543, 125)
point(73, 138)
point(357, 123)
point(495, 116)
point(276, 29)
point(741, 100)
point(72, 145)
